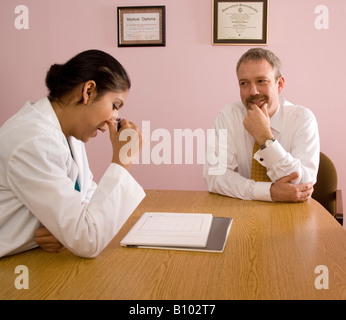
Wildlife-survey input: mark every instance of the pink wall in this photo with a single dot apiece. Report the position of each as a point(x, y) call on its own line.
point(184, 84)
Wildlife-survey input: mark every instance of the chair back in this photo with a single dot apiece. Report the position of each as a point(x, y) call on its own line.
point(326, 185)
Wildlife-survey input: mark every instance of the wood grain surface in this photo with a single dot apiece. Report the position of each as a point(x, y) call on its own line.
point(271, 253)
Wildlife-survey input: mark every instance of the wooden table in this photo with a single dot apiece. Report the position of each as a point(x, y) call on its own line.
point(271, 253)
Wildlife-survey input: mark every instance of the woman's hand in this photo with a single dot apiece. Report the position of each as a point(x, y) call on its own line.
point(47, 241)
point(127, 142)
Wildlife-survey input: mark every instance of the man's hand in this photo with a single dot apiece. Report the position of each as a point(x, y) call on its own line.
point(257, 123)
point(283, 190)
point(47, 241)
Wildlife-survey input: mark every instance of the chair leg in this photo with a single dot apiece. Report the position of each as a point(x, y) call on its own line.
point(339, 218)
point(339, 212)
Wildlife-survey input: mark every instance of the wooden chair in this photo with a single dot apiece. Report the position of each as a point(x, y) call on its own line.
point(325, 189)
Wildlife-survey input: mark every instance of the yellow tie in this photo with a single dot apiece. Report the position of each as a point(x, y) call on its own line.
point(258, 172)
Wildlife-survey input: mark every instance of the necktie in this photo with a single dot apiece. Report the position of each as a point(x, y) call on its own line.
point(258, 172)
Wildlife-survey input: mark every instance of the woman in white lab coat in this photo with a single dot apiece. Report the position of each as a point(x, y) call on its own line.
point(47, 195)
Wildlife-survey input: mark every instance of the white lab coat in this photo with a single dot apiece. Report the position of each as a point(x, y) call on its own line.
point(37, 187)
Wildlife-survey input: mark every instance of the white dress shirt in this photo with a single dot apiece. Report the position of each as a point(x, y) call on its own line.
point(37, 187)
point(296, 149)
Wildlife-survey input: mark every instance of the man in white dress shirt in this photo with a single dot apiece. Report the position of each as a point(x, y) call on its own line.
point(287, 135)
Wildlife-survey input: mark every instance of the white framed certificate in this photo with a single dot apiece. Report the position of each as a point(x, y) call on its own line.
point(240, 22)
point(141, 26)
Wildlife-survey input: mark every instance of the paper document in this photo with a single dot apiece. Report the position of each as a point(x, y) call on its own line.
point(179, 231)
point(170, 229)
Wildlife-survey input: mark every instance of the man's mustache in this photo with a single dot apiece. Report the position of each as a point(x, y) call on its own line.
point(253, 99)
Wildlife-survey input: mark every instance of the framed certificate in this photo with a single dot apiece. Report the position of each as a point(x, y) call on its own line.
point(141, 26)
point(240, 22)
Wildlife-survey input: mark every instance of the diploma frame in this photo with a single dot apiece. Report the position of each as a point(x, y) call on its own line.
point(235, 32)
point(141, 26)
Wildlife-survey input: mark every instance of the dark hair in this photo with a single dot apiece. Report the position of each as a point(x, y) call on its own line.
point(96, 65)
point(258, 54)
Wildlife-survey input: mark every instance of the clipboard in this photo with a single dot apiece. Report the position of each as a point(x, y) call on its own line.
point(179, 231)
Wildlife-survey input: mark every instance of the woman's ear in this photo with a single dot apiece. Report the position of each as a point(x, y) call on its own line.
point(89, 91)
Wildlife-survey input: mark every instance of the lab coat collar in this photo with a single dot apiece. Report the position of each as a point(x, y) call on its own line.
point(77, 151)
point(45, 107)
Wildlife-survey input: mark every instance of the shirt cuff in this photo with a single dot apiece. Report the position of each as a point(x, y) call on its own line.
point(262, 191)
point(270, 155)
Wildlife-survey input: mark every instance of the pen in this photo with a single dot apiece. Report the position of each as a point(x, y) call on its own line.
point(118, 120)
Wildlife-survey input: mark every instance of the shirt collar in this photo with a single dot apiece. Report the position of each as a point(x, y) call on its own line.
point(276, 119)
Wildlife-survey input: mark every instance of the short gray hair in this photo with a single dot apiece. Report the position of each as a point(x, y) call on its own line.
point(258, 54)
